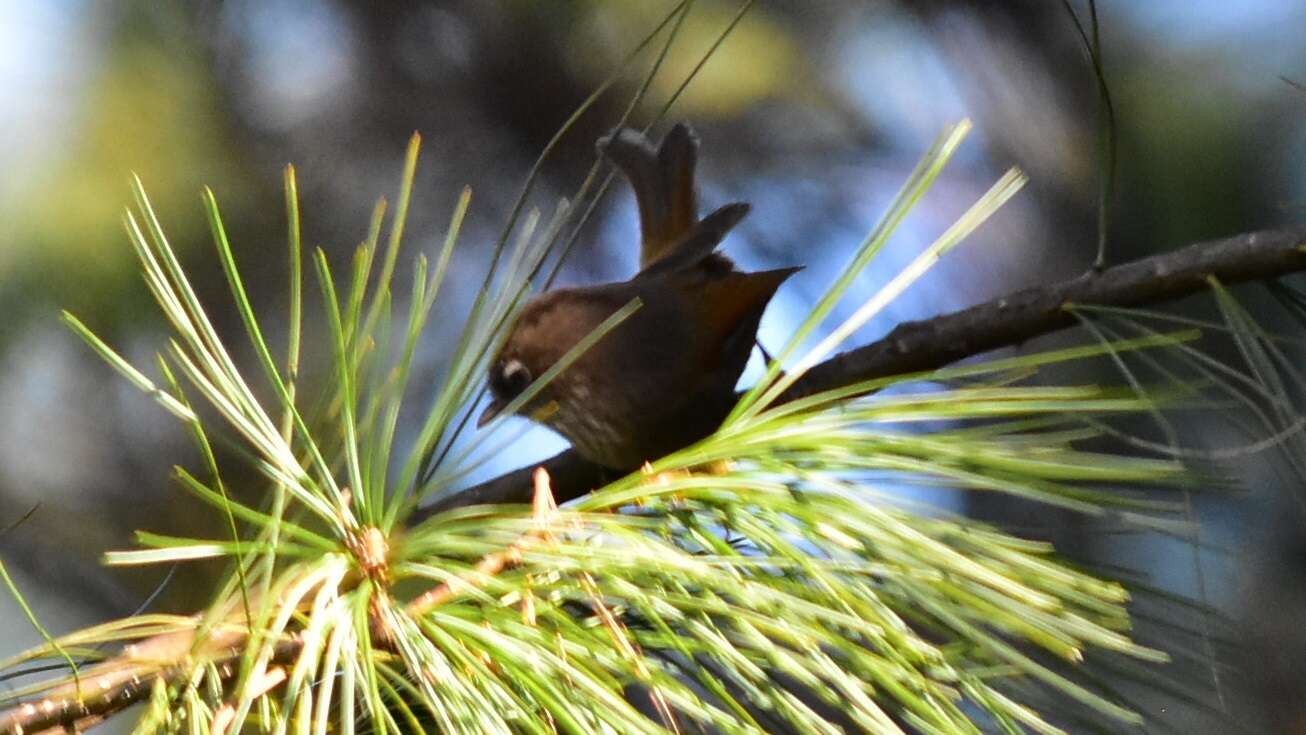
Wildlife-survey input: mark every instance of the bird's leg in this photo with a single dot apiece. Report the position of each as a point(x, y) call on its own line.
point(767, 359)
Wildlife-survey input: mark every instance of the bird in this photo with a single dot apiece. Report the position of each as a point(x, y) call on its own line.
point(664, 377)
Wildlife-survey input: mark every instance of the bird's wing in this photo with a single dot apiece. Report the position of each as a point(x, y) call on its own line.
point(726, 310)
point(698, 243)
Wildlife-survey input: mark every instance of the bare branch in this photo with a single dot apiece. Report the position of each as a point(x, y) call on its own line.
point(117, 683)
point(934, 343)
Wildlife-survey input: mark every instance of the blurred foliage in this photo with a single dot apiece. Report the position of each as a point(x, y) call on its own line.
point(810, 110)
point(149, 106)
point(763, 61)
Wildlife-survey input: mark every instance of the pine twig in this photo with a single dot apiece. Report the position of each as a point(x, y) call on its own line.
point(119, 682)
point(128, 678)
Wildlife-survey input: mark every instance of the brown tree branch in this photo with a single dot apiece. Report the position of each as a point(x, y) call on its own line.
point(939, 341)
point(106, 688)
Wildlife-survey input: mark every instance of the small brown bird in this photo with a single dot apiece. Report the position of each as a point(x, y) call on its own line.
point(665, 377)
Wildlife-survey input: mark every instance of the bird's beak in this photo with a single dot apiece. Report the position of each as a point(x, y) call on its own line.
point(492, 410)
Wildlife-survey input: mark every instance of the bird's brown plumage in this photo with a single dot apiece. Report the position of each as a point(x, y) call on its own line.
point(665, 376)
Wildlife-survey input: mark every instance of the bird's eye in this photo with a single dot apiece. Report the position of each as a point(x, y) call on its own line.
point(511, 378)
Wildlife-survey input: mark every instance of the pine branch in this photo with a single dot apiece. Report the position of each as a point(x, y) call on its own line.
point(934, 343)
point(109, 687)
point(115, 684)
point(106, 688)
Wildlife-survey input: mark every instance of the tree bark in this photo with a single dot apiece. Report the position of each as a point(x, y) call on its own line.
point(934, 343)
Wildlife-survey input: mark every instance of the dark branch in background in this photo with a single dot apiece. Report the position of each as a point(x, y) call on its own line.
point(934, 343)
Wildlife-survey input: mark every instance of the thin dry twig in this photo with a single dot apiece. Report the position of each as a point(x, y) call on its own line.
point(271, 679)
point(630, 651)
point(543, 509)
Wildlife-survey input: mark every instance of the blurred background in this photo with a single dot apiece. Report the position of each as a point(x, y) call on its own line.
point(814, 112)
